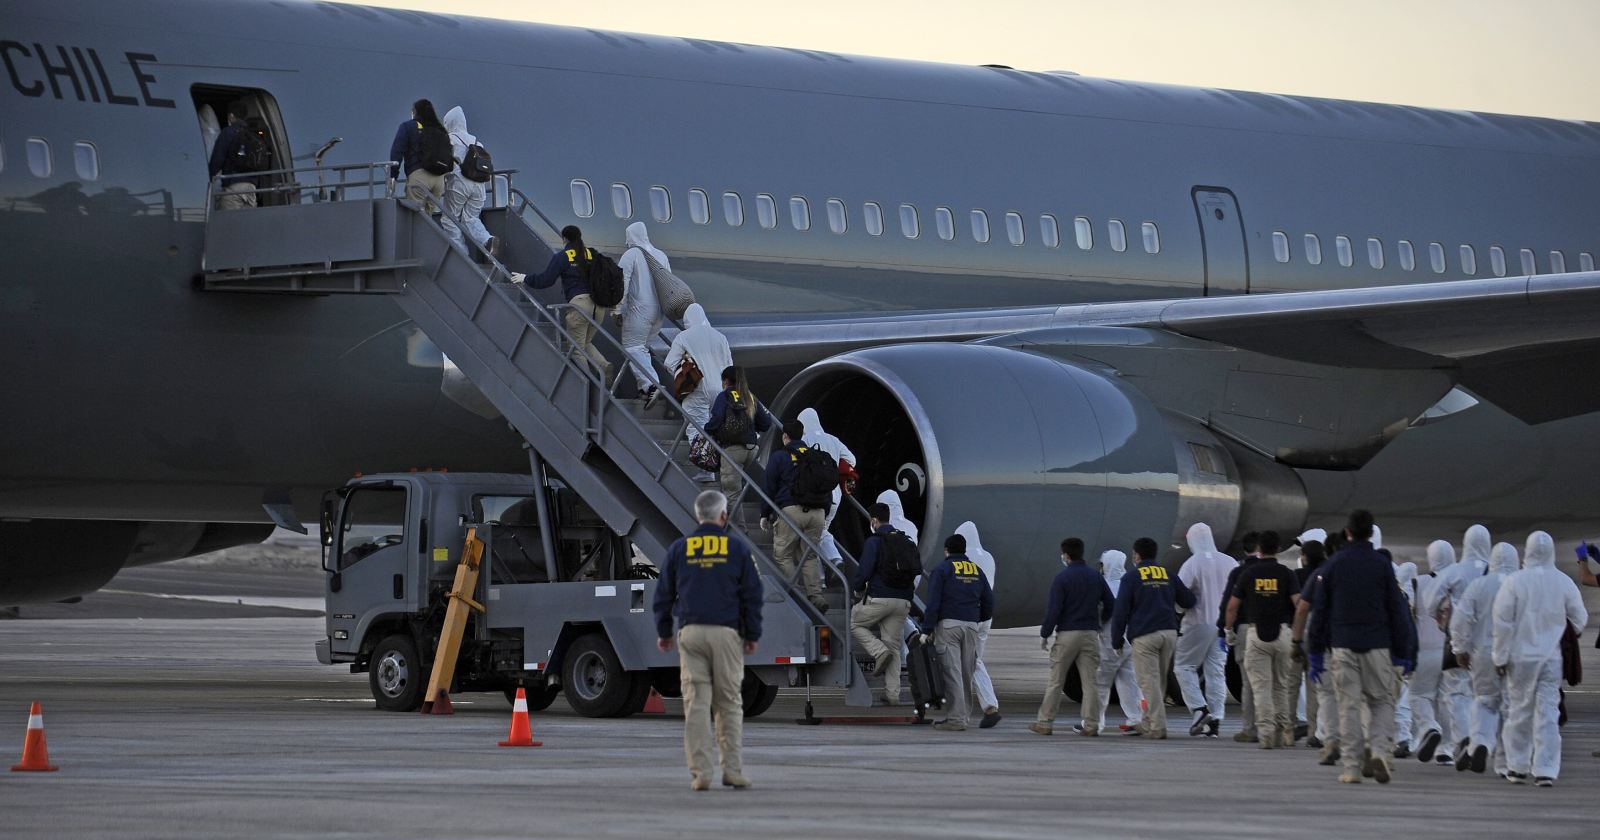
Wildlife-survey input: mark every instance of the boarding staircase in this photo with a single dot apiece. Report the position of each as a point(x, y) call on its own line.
point(628, 463)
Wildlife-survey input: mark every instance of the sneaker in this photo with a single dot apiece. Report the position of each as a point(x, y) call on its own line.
point(1516, 778)
point(1213, 727)
point(1367, 767)
point(1301, 730)
point(1463, 761)
point(1198, 725)
point(1349, 779)
point(989, 719)
point(1315, 743)
point(1378, 768)
point(1444, 759)
point(1480, 759)
point(1131, 728)
point(1245, 738)
point(1046, 729)
point(1402, 749)
point(1545, 781)
point(950, 726)
point(1430, 743)
point(1330, 756)
point(651, 396)
point(735, 781)
point(700, 783)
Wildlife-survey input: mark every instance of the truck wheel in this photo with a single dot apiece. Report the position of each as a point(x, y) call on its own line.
point(758, 696)
point(638, 695)
point(539, 699)
point(668, 682)
point(593, 678)
point(396, 675)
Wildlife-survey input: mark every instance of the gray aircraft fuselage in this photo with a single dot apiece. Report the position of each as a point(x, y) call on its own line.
point(131, 396)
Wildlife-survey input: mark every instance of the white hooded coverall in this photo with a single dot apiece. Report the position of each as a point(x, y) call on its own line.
point(1405, 575)
point(1455, 685)
point(709, 349)
point(1531, 611)
point(639, 311)
point(819, 439)
point(1206, 574)
point(1116, 666)
point(463, 198)
point(1426, 681)
point(1472, 633)
point(980, 676)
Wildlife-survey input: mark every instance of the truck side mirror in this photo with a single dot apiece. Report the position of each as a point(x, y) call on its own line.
point(327, 525)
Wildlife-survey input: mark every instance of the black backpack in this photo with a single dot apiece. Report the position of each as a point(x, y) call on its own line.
point(603, 277)
point(736, 422)
point(816, 476)
point(436, 155)
point(898, 560)
point(477, 165)
point(251, 155)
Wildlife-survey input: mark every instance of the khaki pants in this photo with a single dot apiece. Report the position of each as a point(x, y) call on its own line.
point(790, 553)
point(1073, 647)
point(426, 189)
point(711, 670)
point(957, 645)
point(737, 461)
point(1152, 656)
point(237, 196)
point(1247, 697)
point(875, 626)
point(1366, 686)
point(582, 333)
point(1272, 680)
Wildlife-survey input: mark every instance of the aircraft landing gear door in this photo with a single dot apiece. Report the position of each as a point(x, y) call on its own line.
point(1222, 237)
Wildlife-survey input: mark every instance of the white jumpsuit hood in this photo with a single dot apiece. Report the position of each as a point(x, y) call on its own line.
point(1475, 547)
point(455, 122)
point(638, 236)
point(819, 437)
point(1503, 559)
point(1441, 556)
point(1201, 541)
point(1405, 574)
point(1473, 563)
point(897, 514)
point(1114, 564)
point(1377, 538)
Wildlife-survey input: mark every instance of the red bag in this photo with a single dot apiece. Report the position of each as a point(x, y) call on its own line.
point(848, 477)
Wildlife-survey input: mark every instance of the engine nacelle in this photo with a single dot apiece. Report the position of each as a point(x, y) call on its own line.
point(1033, 449)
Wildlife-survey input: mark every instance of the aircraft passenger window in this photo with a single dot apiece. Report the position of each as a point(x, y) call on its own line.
point(660, 204)
point(766, 211)
point(1497, 260)
point(1083, 232)
point(374, 518)
point(1375, 252)
point(1280, 246)
point(1436, 257)
point(980, 226)
point(1530, 265)
point(1585, 261)
point(699, 207)
point(1118, 235)
point(872, 217)
point(622, 201)
point(838, 217)
point(1408, 256)
point(1341, 246)
point(1152, 238)
point(945, 223)
point(733, 209)
point(800, 213)
point(1313, 249)
point(1049, 231)
point(582, 199)
point(86, 159)
point(1558, 262)
point(1014, 232)
point(39, 157)
point(1469, 260)
point(910, 225)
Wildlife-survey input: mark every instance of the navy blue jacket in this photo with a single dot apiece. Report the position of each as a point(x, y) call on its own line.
point(563, 265)
point(1227, 592)
point(1147, 602)
point(957, 590)
point(407, 147)
point(719, 413)
point(227, 147)
point(709, 578)
point(780, 477)
point(867, 573)
point(1358, 605)
point(1080, 599)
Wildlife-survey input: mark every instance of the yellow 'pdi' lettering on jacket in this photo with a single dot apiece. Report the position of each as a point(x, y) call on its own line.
point(705, 551)
point(1266, 586)
point(1148, 574)
point(966, 570)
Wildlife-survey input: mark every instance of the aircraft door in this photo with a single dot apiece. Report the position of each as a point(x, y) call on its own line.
point(1223, 240)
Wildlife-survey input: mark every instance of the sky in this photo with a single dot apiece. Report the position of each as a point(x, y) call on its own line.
point(1533, 57)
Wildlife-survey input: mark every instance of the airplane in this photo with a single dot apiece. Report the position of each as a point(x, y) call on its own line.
point(1044, 302)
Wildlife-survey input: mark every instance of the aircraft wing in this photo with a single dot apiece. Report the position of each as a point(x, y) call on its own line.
point(1531, 345)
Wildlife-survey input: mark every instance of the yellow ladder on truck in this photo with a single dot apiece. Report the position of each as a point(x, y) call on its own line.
point(436, 701)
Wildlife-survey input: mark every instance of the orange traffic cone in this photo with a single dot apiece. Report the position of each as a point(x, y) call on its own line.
point(521, 733)
point(654, 706)
point(35, 756)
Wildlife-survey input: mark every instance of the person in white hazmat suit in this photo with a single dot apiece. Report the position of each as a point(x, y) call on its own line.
point(1116, 667)
point(980, 676)
point(463, 197)
point(1455, 685)
point(1206, 575)
point(709, 350)
point(1435, 732)
point(1531, 611)
point(1405, 575)
point(818, 438)
point(1472, 639)
point(639, 314)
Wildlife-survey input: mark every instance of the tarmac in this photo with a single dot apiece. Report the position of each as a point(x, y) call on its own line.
point(178, 717)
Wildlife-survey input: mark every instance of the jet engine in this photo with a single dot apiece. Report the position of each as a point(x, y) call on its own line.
point(1034, 449)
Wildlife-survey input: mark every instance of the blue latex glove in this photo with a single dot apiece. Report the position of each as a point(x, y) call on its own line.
point(1583, 551)
point(1317, 668)
point(1222, 645)
point(1406, 666)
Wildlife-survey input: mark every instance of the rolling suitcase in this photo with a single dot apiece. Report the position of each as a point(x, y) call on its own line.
point(926, 675)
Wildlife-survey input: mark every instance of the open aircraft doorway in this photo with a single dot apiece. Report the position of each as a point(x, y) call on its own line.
point(211, 103)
